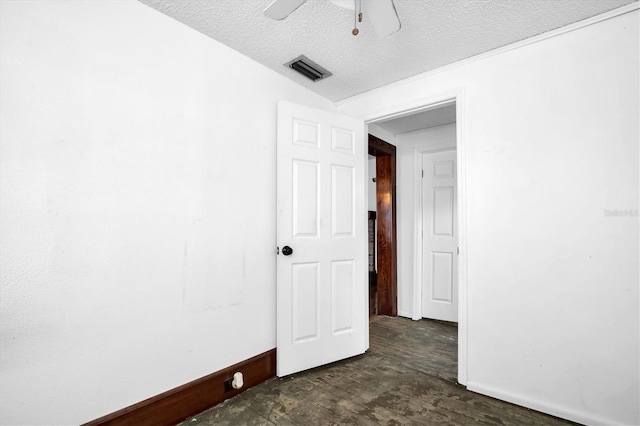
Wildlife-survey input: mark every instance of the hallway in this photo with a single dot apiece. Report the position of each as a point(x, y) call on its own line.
point(406, 377)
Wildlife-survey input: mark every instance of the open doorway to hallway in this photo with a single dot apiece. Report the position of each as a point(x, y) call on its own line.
point(424, 195)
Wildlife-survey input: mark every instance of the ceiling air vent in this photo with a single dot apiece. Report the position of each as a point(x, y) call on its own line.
point(308, 68)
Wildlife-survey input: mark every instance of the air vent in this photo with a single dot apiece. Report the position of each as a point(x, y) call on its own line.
point(308, 68)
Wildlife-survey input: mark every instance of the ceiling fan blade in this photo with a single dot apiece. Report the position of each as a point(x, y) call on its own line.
point(347, 4)
point(280, 9)
point(383, 16)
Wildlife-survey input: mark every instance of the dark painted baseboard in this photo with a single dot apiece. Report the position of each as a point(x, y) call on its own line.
point(176, 405)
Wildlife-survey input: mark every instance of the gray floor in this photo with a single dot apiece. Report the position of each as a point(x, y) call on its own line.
point(407, 377)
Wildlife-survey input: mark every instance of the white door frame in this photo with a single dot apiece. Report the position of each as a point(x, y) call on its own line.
point(410, 107)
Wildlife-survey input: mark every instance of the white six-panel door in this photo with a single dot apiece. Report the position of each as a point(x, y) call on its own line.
point(440, 236)
point(321, 281)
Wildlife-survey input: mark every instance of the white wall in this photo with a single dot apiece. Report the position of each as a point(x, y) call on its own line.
point(137, 207)
point(406, 146)
point(552, 144)
point(380, 133)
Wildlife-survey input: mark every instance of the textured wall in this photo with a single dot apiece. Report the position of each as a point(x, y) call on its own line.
point(552, 153)
point(137, 207)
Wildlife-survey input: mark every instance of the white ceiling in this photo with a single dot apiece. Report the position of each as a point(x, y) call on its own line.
point(433, 33)
point(422, 120)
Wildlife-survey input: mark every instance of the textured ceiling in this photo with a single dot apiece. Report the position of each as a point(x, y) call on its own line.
point(434, 33)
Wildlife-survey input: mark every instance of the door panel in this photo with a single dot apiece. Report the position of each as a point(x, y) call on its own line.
point(439, 240)
point(322, 285)
point(342, 289)
point(442, 276)
point(443, 211)
point(342, 201)
point(305, 280)
point(306, 198)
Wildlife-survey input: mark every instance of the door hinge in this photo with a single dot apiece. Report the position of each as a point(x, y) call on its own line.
point(457, 250)
point(423, 173)
point(277, 250)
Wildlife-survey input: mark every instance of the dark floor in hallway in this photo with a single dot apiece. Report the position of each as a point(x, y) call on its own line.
point(407, 377)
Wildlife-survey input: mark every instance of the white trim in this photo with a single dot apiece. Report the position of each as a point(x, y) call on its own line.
point(422, 104)
point(427, 148)
point(535, 39)
point(463, 283)
point(365, 145)
point(412, 106)
point(404, 314)
point(582, 417)
point(417, 234)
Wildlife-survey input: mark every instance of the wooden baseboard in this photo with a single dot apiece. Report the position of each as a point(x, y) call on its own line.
point(177, 404)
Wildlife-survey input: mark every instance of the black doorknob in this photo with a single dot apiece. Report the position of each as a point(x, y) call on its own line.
point(286, 250)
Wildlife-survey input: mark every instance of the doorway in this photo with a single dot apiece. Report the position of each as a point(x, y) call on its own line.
point(409, 220)
point(383, 283)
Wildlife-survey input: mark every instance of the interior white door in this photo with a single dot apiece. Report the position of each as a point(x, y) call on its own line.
point(439, 236)
point(321, 236)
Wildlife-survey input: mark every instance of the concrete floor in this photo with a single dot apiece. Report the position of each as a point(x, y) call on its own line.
point(406, 378)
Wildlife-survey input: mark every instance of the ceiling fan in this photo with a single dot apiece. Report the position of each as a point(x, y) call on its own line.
point(381, 13)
